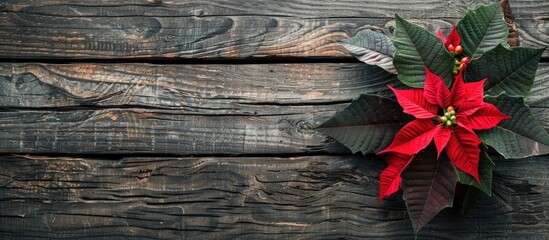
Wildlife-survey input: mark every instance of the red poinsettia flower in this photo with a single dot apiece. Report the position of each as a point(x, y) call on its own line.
point(463, 110)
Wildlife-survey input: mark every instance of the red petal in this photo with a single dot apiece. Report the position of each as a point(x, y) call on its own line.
point(413, 137)
point(442, 136)
point(474, 98)
point(439, 35)
point(459, 90)
point(475, 91)
point(435, 91)
point(464, 122)
point(468, 108)
point(453, 37)
point(486, 117)
point(414, 103)
point(389, 180)
point(397, 159)
point(463, 151)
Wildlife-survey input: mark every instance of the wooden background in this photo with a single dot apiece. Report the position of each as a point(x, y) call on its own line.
point(192, 120)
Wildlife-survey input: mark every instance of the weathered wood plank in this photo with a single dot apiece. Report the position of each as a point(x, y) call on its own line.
point(167, 37)
point(522, 9)
point(131, 131)
point(191, 109)
point(144, 29)
point(313, 197)
point(202, 89)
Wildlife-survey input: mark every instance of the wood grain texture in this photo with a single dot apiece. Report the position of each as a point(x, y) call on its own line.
point(201, 89)
point(213, 89)
point(219, 29)
point(132, 131)
point(189, 109)
point(317, 197)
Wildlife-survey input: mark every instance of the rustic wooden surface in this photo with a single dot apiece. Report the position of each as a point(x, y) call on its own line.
point(220, 29)
point(193, 120)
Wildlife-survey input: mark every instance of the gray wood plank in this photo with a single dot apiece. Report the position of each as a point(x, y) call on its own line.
point(189, 110)
point(315, 197)
point(289, 8)
point(131, 131)
point(252, 89)
point(202, 89)
point(218, 30)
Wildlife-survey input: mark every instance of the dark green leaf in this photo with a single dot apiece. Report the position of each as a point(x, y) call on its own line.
point(416, 48)
point(485, 167)
point(429, 186)
point(508, 70)
point(518, 137)
point(367, 125)
point(373, 48)
point(374, 80)
point(481, 30)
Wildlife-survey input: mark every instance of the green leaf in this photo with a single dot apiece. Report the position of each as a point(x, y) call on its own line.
point(508, 70)
point(518, 137)
point(429, 186)
point(481, 30)
point(485, 167)
point(373, 48)
point(469, 200)
point(367, 125)
point(374, 80)
point(416, 48)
